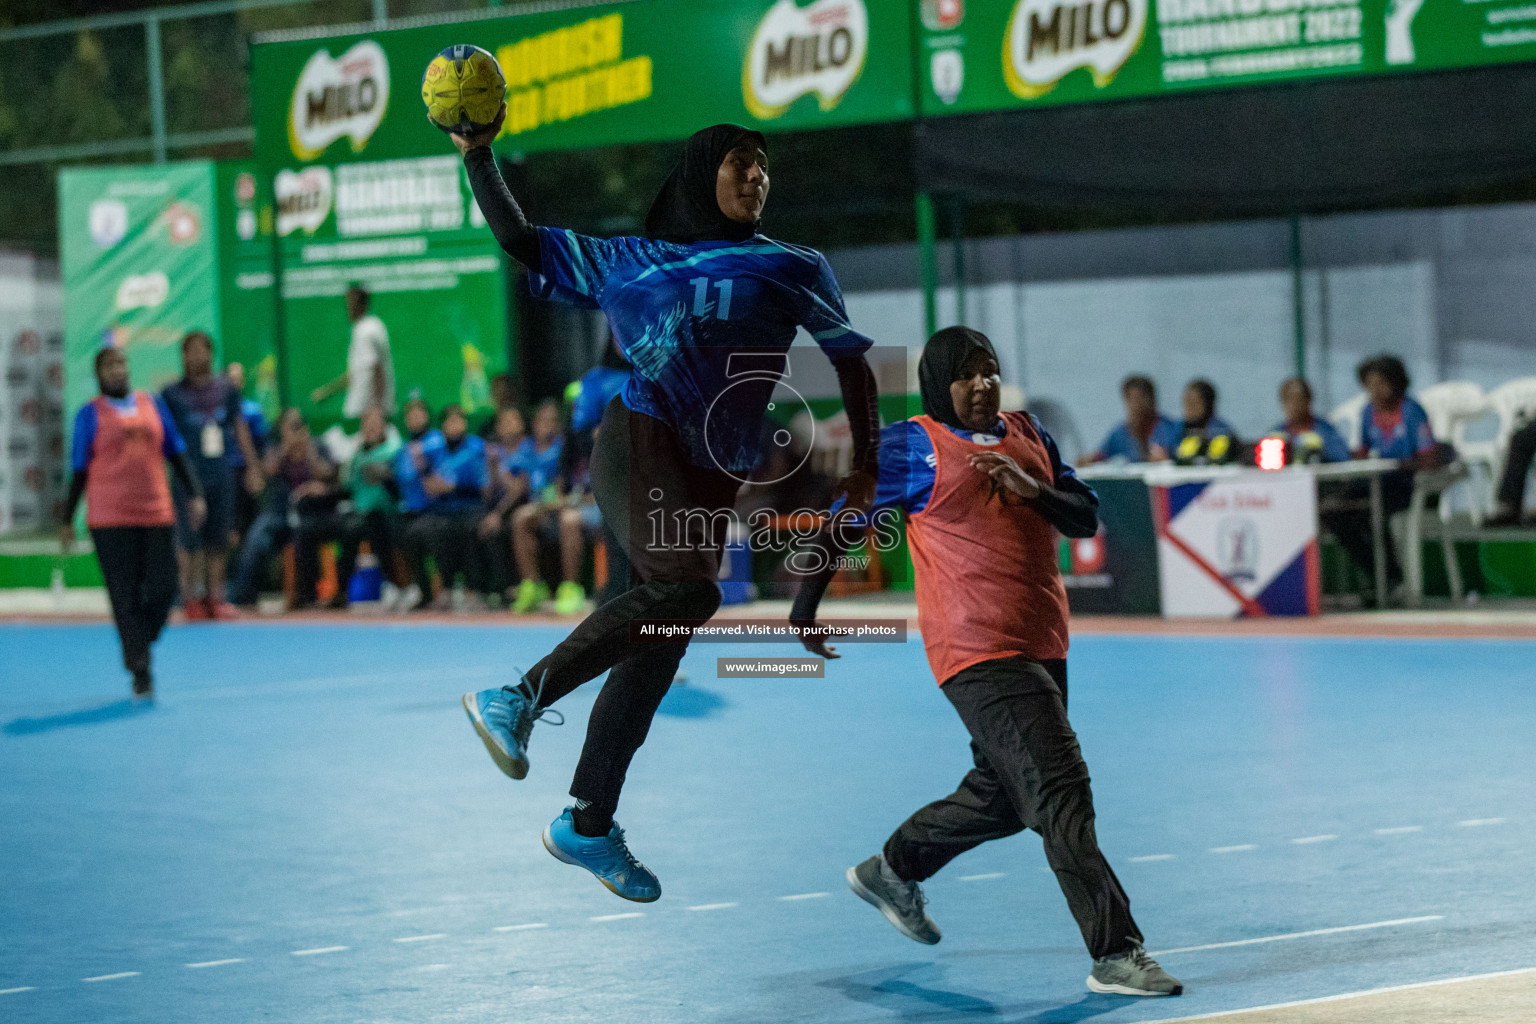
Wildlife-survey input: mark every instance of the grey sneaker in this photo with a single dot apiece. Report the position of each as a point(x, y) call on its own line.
point(901, 902)
point(1132, 973)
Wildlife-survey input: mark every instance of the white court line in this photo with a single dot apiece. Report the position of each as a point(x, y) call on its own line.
point(1239, 848)
point(1474, 822)
point(434, 967)
point(519, 927)
point(219, 963)
point(983, 878)
point(805, 896)
point(1150, 857)
point(616, 917)
point(318, 950)
point(714, 906)
point(20, 988)
point(1399, 830)
point(1304, 935)
point(113, 977)
point(1304, 840)
point(290, 687)
point(1346, 995)
point(422, 938)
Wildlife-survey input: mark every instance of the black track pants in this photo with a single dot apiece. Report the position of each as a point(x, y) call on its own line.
point(138, 564)
point(668, 516)
point(1029, 774)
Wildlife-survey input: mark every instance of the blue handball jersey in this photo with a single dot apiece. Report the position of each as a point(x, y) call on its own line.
point(679, 312)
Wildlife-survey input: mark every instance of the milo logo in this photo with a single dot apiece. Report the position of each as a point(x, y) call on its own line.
point(336, 97)
point(800, 50)
point(1046, 39)
point(303, 199)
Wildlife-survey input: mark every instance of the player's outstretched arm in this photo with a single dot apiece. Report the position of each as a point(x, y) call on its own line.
point(861, 399)
point(813, 586)
point(517, 237)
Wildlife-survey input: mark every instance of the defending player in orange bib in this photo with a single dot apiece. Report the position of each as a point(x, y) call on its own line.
point(984, 494)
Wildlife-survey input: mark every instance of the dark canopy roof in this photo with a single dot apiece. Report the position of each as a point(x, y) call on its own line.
point(1299, 148)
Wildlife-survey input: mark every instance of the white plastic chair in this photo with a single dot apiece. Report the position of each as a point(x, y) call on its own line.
point(1451, 405)
point(1346, 419)
point(1508, 402)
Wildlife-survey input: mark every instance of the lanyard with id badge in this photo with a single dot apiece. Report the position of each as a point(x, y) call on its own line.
point(213, 440)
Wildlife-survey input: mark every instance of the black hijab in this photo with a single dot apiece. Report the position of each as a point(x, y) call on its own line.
point(686, 210)
point(940, 365)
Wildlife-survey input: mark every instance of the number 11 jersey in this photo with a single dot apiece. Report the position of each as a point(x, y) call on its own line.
point(679, 312)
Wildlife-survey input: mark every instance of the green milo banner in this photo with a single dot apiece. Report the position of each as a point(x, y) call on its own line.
point(593, 75)
point(367, 190)
point(139, 254)
point(151, 252)
point(976, 56)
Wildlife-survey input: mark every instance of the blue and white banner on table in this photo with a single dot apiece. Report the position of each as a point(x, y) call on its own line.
point(1240, 545)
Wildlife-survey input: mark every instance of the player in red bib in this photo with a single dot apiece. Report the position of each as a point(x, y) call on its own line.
point(984, 494)
point(122, 442)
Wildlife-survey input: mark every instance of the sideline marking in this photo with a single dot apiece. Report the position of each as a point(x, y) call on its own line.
point(1399, 830)
point(805, 896)
point(113, 977)
point(22, 988)
point(318, 950)
point(1151, 857)
point(1304, 840)
point(1475, 822)
point(714, 906)
point(1347, 995)
point(983, 878)
point(422, 938)
point(518, 927)
point(1304, 935)
point(219, 963)
point(616, 917)
point(1239, 848)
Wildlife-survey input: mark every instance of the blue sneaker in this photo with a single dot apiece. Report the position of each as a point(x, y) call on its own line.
point(504, 719)
point(607, 857)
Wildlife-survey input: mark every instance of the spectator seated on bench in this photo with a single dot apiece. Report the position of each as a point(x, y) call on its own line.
point(301, 491)
point(367, 511)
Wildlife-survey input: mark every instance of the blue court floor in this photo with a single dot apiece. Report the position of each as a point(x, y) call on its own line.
point(303, 828)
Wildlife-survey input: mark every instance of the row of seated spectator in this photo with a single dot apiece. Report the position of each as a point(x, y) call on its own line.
point(1392, 425)
point(476, 507)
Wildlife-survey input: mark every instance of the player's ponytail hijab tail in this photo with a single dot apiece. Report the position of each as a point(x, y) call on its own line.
point(940, 365)
point(686, 210)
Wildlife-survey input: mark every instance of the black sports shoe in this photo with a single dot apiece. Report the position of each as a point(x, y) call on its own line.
point(143, 684)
